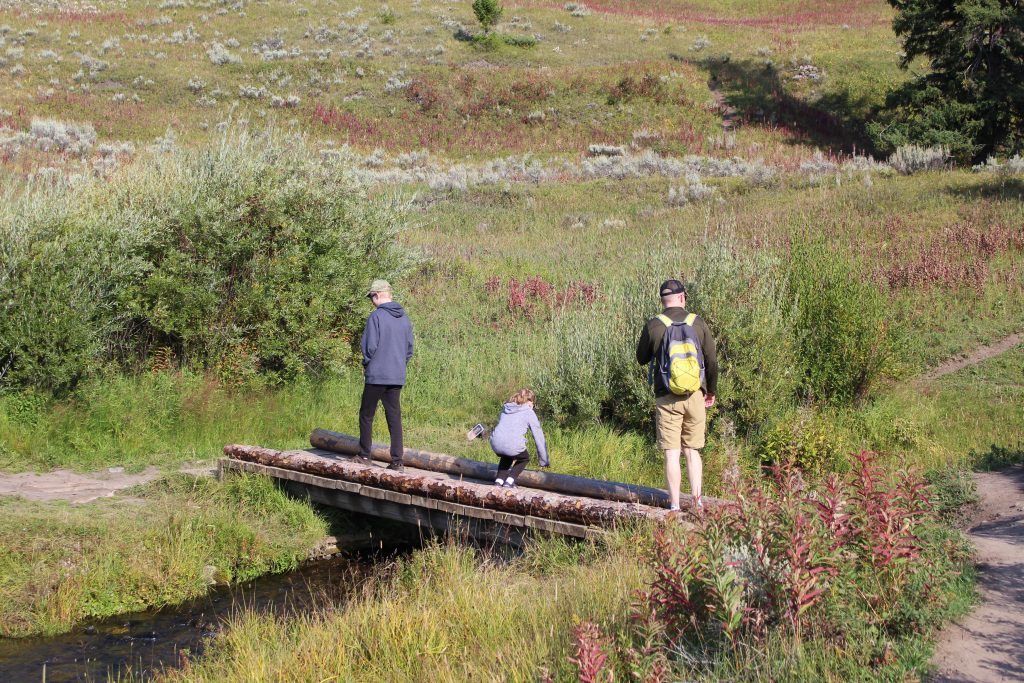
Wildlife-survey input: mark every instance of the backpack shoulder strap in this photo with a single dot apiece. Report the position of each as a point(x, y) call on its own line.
point(690, 319)
point(665, 320)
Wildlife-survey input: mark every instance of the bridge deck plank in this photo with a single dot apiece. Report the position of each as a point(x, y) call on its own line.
point(419, 510)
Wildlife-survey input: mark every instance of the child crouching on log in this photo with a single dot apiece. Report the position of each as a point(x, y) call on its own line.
point(509, 438)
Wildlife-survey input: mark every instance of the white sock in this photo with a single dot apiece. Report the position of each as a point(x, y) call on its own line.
point(499, 482)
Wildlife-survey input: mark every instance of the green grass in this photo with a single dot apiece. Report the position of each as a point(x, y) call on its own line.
point(448, 614)
point(596, 53)
point(62, 563)
point(957, 418)
point(442, 615)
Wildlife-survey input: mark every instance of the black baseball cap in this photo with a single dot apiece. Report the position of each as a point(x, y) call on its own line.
point(670, 287)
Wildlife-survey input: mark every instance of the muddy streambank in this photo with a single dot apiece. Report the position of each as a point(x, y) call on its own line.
point(144, 643)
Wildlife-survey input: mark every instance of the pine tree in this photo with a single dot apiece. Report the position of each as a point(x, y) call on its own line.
point(973, 98)
point(488, 13)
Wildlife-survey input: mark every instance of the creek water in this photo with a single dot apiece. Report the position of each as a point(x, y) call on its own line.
point(144, 643)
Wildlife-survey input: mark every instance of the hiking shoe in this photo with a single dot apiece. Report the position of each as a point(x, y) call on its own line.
point(364, 460)
point(397, 466)
point(698, 507)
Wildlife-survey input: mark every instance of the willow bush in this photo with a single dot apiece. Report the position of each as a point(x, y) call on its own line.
point(249, 258)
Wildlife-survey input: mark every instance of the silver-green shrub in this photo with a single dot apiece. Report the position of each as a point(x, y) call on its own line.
point(595, 377)
point(910, 159)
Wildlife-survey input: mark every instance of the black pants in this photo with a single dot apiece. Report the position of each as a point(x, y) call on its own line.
point(390, 397)
point(512, 465)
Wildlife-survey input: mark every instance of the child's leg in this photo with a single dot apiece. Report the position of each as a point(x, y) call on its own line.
point(518, 465)
point(503, 466)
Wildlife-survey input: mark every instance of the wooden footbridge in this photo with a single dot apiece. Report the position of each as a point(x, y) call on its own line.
point(440, 493)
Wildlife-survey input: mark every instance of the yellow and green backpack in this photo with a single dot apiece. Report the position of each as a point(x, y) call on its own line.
point(680, 362)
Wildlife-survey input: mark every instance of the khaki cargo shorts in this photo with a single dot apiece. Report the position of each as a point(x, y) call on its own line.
point(680, 421)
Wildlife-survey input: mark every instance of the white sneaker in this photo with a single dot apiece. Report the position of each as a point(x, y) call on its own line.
point(499, 482)
point(510, 483)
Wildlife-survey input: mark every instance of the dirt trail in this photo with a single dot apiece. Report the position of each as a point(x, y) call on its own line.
point(727, 110)
point(988, 644)
point(80, 488)
point(979, 354)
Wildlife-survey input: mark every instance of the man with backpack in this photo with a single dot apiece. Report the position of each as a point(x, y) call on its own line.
point(679, 348)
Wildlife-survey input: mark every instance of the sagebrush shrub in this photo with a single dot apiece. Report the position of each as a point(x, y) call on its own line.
point(910, 159)
point(801, 440)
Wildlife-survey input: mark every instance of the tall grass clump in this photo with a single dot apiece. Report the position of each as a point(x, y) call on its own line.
point(248, 259)
point(444, 614)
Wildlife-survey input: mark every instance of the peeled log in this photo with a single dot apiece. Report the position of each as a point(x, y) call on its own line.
point(519, 501)
point(474, 469)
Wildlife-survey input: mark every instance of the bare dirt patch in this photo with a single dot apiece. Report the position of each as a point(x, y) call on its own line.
point(79, 488)
point(988, 644)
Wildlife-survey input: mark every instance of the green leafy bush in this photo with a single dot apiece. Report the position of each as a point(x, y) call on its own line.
point(743, 297)
point(59, 269)
point(802, 440)
point(518, 41)
point(248, 258)
point(806, 329)
point(845, 339)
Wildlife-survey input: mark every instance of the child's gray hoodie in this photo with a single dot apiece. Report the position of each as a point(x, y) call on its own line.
point(509, 436)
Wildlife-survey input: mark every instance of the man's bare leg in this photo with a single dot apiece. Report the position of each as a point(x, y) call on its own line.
point(673, 475)
point(694, 471)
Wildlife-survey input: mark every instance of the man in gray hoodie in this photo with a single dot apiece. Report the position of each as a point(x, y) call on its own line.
point(387, 348)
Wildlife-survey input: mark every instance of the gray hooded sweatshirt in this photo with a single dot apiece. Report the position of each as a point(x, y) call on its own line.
point(387, 345)
point(509, 436)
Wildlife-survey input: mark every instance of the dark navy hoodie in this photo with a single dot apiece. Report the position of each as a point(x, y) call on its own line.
point(387, 345)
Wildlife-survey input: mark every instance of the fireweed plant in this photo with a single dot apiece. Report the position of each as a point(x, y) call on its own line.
point(852, 563)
